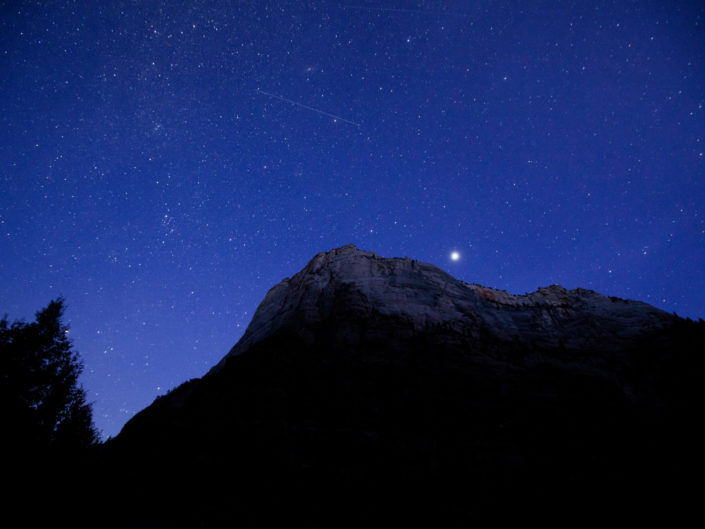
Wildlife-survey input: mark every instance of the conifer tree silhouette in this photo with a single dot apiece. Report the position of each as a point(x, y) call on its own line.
point(43, 406)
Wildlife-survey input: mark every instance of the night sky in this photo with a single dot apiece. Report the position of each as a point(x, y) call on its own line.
point(163, 164)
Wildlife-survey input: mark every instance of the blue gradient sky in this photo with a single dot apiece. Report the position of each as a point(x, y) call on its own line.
point(164, 164)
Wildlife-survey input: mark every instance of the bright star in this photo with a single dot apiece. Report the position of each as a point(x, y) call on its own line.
point(454, 256)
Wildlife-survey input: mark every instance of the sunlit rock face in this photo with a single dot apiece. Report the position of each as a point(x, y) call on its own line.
point(372, 298)
point(383, 392)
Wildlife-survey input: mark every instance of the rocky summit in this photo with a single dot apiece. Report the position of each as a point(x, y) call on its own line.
point(372, 298)
point(371, 391)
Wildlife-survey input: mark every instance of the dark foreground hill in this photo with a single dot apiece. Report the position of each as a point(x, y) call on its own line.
point(383, 392)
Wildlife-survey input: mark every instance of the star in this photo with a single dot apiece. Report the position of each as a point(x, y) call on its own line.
point(454, 255)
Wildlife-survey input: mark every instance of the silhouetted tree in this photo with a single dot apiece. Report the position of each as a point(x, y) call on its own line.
point(44, 407)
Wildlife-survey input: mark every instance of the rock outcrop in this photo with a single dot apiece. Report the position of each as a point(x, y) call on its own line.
point(371, 298)
point(370, 391)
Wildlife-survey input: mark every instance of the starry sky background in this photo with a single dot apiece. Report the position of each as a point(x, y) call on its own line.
point(163, 164)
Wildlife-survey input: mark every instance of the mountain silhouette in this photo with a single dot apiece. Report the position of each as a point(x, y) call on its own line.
point(372, 391)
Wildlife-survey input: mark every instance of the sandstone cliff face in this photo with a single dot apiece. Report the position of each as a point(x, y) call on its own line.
point(400, 297)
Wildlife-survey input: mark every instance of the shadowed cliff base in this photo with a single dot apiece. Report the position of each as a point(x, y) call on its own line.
point(287, 434)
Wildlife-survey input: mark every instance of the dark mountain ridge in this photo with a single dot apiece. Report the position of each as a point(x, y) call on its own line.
point(375, 391)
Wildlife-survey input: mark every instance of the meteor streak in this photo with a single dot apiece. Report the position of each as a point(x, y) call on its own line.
point(280, 98)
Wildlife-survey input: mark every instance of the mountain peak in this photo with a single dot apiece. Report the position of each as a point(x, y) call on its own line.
point(364, 377)
point(365, 296)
